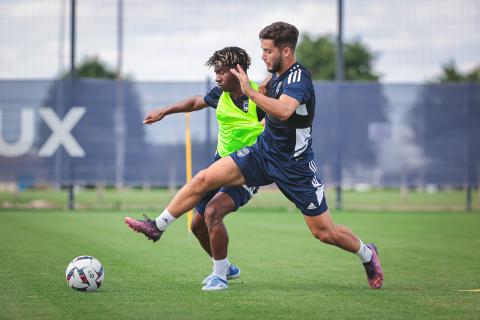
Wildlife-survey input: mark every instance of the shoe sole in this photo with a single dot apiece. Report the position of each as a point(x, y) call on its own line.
point(216, 289)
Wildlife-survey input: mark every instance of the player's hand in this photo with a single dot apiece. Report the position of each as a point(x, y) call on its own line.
point(153, 117)
point(243, 79)
point(262, 88)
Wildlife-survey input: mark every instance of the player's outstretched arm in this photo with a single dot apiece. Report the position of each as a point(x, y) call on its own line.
point(191, 104)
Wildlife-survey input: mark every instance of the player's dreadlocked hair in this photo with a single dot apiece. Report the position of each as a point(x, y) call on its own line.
point(229, 57)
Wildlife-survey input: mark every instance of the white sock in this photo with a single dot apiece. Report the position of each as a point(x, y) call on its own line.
point(365, 253)
point(163, 220)
point(213, 265)
point(220, 268)
point(228, 264)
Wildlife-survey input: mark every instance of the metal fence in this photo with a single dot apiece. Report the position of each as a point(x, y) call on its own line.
point(171, 40)
point(364, 133)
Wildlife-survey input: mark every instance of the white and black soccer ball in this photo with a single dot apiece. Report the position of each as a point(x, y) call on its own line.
point(84, 273)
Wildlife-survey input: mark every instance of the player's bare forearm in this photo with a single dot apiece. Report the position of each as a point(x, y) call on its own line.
point(281, 108)
point(194, 103)
point(188, 105)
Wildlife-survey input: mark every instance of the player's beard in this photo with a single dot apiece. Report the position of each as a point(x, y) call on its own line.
point(276, 65)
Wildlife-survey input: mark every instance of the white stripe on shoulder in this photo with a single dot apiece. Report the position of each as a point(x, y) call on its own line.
point(293, 76)
point(296, 76)
point(289, 77)
point(299, 75)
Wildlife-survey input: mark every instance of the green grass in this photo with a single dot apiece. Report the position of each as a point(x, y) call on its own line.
point(286, 273)
point(383, 200)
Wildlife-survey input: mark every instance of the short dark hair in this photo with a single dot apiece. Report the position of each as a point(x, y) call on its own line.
point(281, 33)
point(229, 57)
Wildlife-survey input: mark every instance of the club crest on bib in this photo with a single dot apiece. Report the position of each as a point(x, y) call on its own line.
point(242, 152)
point(245, 106)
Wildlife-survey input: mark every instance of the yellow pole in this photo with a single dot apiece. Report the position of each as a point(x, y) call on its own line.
point(188, 162)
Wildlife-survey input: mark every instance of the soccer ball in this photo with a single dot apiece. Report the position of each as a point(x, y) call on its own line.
point(84, 273)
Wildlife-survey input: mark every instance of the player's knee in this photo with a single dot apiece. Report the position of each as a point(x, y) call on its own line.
point(198, 226)
point(326, 236)
point(213, 215)
point(200, 181)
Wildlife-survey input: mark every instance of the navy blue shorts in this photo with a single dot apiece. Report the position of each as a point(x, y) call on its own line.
point(240, 195)
point(296, 179)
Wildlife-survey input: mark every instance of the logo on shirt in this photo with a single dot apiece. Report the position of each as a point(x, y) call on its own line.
point(242, 152)
point(277, 90)
point(245, 106)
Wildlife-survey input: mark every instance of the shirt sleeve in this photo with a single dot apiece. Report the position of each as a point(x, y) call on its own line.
point(260, 114)
point(212, 96)
point(298, 88)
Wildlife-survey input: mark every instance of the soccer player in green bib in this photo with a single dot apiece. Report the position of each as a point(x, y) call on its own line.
point(239, 125)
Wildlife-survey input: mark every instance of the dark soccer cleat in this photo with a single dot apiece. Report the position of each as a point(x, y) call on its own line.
point(374, 269)
point(148, 227)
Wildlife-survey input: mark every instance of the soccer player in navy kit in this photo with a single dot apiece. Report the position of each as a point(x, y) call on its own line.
point(283, 152)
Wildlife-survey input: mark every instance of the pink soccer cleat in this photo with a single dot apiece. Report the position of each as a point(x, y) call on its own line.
point(148, 227)
point(374, 269)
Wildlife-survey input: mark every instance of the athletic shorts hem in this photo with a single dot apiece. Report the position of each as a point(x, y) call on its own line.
point(314, 213)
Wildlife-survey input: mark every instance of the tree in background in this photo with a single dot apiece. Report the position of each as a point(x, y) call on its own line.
point(93, 67)
point(356, 107)
point(318, 56)
point(450, 73)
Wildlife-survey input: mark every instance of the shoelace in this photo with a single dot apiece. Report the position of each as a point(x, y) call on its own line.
point(147, 218)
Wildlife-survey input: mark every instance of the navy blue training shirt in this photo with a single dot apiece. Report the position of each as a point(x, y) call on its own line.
point(292, 138)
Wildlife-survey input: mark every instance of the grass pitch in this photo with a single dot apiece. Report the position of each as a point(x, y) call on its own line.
point(286, 273)
point(157, 199)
